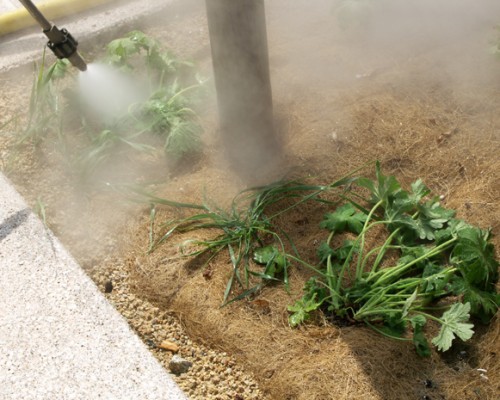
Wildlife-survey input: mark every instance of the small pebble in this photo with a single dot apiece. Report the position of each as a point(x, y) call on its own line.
point(108, 287)
point(179, 365)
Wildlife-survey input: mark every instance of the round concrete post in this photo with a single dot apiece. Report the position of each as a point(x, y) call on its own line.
point(241, 69)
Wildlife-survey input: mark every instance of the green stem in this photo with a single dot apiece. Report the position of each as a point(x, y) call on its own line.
point(366, 227)
point(386, 275)
point(430, 317)
point(361, 315)
point(311, 267)
point(386, 334)
point(382, 252)
point(347, 261)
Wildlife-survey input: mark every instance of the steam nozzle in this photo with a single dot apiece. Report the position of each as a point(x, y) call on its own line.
point(65, 46)
point(60, 40)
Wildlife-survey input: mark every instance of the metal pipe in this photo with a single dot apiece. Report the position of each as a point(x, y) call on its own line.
point(62, 44)
point(238, 40)
point(36, 14)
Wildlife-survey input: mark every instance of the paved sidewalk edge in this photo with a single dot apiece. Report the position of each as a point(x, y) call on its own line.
point(59, 336)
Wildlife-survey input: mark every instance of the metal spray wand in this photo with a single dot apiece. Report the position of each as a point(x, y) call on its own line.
point(60, 40)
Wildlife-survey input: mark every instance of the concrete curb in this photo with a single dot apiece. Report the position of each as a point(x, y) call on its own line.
point(59, 337)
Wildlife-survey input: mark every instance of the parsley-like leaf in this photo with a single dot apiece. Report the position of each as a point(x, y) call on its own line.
point(435, 281)
point(302, 309)
point(405, 202)
point(431, 217)
point(474, 255)
point(454, 323)
point(345, 218)
point(484, 304)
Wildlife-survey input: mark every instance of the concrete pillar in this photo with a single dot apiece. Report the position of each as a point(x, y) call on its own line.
point(241, 69)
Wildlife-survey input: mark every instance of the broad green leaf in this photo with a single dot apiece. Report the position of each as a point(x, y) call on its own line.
point(345, 218)
point(474, 255)
point(122, 49)
point(453, 227)
point(398, 211)
point(454, 324)
point(144, 41)
point(484, 304)
point(301, 310)
point(431, 218)
point(264, 255)
point(272, 258)
point(418, 191)
point(434, 279)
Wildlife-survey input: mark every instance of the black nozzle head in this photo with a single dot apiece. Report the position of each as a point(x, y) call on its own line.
point(77, 61)
point(63, 45)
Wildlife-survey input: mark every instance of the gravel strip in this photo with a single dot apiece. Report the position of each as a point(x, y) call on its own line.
point(214, 374)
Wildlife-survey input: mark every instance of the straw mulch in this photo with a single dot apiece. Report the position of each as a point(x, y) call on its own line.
point(449, 141)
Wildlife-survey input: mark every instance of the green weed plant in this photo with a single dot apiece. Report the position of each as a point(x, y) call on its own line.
point(166, 122)
point(425, 265)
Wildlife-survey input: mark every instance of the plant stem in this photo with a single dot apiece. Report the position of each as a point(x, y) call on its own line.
point(386, 334)
point(382, 252)
point(366, 227)
point(386, 275)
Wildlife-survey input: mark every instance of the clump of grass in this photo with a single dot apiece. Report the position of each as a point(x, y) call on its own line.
point(246, 231)
point(44, 112)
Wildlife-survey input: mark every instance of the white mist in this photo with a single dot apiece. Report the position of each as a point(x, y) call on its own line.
point(109, 92)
